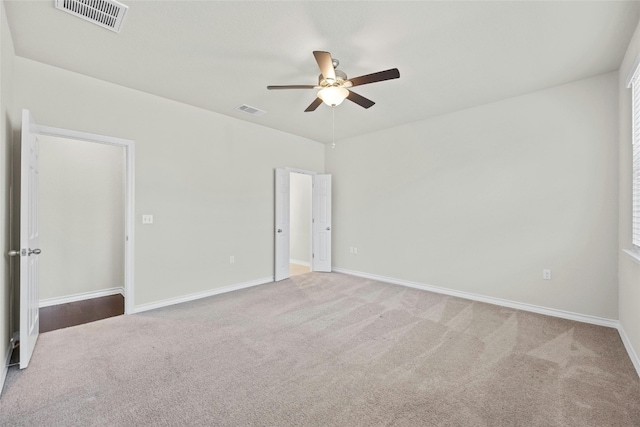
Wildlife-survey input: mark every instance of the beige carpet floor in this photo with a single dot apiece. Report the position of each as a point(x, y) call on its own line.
point(327, 349)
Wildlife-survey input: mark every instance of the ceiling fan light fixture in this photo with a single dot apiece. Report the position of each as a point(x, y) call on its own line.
point(333, 95)
point(333, 83)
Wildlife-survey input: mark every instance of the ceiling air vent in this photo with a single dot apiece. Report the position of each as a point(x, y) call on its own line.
point(250, 110)
point(106, 13)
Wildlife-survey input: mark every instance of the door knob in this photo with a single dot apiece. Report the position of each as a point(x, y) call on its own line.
point(279, 230)
point(328, 228)
point(14, 253)
point(34, 251)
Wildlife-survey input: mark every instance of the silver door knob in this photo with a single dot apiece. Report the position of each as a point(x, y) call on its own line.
point(35, 251)
point(14, 253)
point(279, 230)
point(328, 228)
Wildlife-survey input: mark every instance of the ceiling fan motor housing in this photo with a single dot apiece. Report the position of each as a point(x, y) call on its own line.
point(341, 77)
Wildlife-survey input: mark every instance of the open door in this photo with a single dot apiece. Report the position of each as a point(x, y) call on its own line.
point(29, 239)
point(321, 235)
point(29, 250)
point(321, 224)
point(282, 225)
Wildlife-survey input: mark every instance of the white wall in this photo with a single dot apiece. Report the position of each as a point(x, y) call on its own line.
point(81, 217)
point(300, 217)
point(629, 269)
point(206, 178)
point(7, 119)
point(483, 200)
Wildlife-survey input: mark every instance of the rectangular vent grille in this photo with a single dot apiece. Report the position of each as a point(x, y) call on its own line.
point(106, 13)
point(250, 110)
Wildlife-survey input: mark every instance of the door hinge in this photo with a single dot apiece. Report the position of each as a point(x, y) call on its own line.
point(313, 255)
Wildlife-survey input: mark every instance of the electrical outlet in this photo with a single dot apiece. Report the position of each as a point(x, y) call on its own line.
point(232, 259)
point(546, 274)
point(355, 251)
point(147, 219)
point(351, 249)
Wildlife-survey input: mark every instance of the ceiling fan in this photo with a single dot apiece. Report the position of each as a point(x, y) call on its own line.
point(334, 84)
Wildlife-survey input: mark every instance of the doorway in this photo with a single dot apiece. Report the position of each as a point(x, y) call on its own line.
point(81, 207)
point(127, 242)
point(300, 216)
point(320, 241)
point(26, 287)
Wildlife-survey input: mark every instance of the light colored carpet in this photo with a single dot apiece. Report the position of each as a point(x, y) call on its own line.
point(327, 349)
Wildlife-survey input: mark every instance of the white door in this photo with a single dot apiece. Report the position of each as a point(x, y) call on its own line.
point(321, 236)
point(29, 240)
point(282, 225)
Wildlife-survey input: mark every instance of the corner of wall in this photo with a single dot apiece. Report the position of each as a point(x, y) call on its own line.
point(628, 269)
point(7, 55)
point(630, 350)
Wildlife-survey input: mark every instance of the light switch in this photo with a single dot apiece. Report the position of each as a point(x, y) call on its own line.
point(147, 219)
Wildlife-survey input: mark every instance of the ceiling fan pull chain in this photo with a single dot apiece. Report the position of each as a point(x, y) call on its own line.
point(333, 129)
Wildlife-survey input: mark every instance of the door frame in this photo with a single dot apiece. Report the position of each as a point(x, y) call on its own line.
point(129, 220)
point(312, 174)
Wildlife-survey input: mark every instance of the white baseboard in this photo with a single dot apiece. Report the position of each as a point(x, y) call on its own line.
point(585, 318)
point(80, 297)
point(300, 262)
point(600, 321)
point(5, 366)
point(199, 295)
point(627, 345)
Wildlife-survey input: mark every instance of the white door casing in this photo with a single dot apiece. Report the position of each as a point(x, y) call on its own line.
point(129, 236)
point(282, 225)
point(321, 236)
point(29, 239)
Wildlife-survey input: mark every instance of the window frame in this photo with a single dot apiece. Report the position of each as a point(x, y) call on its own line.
point(633, 82)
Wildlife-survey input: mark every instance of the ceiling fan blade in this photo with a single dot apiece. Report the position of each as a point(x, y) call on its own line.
point(375, 77)
point(360, 100)
point(315, 104)
point(291, 87)
point(325, 62)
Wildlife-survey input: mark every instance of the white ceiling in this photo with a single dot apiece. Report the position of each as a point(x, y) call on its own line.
point(219, 54)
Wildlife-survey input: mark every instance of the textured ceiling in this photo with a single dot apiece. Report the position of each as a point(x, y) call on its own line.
point(217, 55)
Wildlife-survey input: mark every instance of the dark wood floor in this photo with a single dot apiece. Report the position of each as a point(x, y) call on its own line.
point(80, 312)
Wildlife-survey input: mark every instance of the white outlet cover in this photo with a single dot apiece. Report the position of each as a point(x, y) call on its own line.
point(147, 219)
